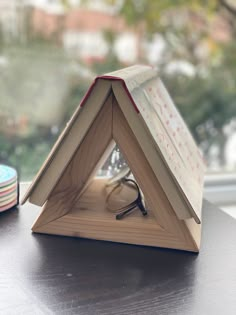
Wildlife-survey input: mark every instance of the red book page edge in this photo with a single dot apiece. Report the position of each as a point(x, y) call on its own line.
point(107, 77)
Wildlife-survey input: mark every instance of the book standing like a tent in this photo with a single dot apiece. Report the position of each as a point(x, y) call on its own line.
point(132, 108)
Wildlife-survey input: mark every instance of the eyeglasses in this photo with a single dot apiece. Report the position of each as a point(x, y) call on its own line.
point(123, 190)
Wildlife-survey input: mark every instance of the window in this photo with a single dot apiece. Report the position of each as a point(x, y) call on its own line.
point(51, 50)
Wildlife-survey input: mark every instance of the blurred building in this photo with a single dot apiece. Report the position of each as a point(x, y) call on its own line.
point(9, 21)
point(82, 31)
point(12, 19)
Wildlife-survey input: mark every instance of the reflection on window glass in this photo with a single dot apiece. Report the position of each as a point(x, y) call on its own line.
point(50, 51)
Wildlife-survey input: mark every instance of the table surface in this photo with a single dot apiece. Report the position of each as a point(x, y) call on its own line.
point(42, 274)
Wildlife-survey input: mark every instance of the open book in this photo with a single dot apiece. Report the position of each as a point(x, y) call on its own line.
point(158, 127)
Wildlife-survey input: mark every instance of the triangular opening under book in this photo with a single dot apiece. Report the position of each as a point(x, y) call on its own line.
point(76, 205)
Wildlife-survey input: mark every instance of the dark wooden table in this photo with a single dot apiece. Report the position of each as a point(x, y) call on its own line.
point(42, 274)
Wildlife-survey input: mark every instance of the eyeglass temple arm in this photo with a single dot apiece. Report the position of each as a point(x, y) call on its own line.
point(119, 216)
point(137, 203)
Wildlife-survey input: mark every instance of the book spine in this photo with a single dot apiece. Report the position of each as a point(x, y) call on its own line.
point(107, 77)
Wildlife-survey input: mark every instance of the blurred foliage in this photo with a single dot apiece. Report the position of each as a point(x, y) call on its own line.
point(151, 12)
point(37, 75)
point(206, 105)
point(39, 89)
point(207, 98)
point(111, 62)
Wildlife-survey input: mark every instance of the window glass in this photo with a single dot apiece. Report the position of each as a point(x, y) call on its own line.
point(50, 51)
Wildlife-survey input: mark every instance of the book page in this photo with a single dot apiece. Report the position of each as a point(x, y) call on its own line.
point(172, 138)
point(169, 131)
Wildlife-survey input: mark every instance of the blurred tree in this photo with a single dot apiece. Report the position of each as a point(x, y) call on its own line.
point(203, 34)
point(111, 62)
point(40, 88)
